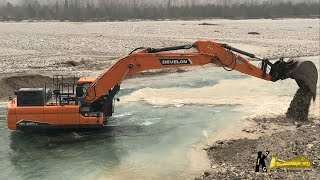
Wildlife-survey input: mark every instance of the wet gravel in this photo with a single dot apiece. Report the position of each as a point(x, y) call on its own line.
point(235, 159)
point(300, 104)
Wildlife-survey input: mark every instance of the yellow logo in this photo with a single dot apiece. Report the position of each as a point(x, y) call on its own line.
point(297, 162)
point(210, 47)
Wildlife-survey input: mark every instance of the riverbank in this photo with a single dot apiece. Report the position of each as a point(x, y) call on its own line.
point(88, 48)
point(235, 157)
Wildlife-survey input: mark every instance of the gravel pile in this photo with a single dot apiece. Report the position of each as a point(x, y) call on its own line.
point(10, 84)
point(299, 106)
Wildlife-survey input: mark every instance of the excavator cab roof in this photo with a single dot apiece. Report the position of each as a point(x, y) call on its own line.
point(85, 80)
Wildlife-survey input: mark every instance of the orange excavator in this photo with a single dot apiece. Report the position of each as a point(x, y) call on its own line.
point(90, 102)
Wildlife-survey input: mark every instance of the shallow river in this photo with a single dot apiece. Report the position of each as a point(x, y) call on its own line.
point(158, 130)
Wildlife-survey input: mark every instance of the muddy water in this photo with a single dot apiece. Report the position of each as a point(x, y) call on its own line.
point(157, 131)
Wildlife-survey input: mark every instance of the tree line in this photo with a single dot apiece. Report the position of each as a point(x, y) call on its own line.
point(74, 11)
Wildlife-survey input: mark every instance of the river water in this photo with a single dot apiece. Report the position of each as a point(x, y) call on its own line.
point(158, 130)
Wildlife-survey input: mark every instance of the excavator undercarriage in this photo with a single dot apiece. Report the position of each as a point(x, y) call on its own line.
point(89, 102)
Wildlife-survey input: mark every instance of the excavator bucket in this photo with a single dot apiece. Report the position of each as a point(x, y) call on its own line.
point(305, 73)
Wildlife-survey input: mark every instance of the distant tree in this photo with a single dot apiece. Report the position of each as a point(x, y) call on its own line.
point(66, 4)
point(31, 13)
point(77, 10)
point(9, 5)
point(169, 3)
point(57, 8)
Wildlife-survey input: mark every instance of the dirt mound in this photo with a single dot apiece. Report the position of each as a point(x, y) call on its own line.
point(300, 104)
point(87, 63)
point(10, 84)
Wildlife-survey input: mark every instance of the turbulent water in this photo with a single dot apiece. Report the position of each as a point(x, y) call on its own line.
point(158, 129)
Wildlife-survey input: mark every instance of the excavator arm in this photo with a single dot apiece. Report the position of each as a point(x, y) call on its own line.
point(206, 52)
point(100, 94)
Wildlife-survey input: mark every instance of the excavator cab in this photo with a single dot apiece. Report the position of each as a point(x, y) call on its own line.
point(82, 86)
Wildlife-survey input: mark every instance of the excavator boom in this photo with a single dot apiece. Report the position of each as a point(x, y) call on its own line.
point(206, 52)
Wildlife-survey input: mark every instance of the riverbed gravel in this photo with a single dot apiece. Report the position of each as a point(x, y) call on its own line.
point(284, 138)
point(45, 47)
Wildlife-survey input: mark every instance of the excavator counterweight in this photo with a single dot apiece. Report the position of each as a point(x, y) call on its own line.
point(90, 102)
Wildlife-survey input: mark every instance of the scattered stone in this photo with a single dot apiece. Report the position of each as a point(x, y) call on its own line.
point(246, 130)
point(219, 142)
point(309, 146)
point(208, 24)
point(71, 63)
point(254, 33)
point(206, 173)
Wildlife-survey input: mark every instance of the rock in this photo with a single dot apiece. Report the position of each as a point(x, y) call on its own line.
point(219, 142)
point(208, 24)
point(248, 130)
point(206, 173)
point(254, 33)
